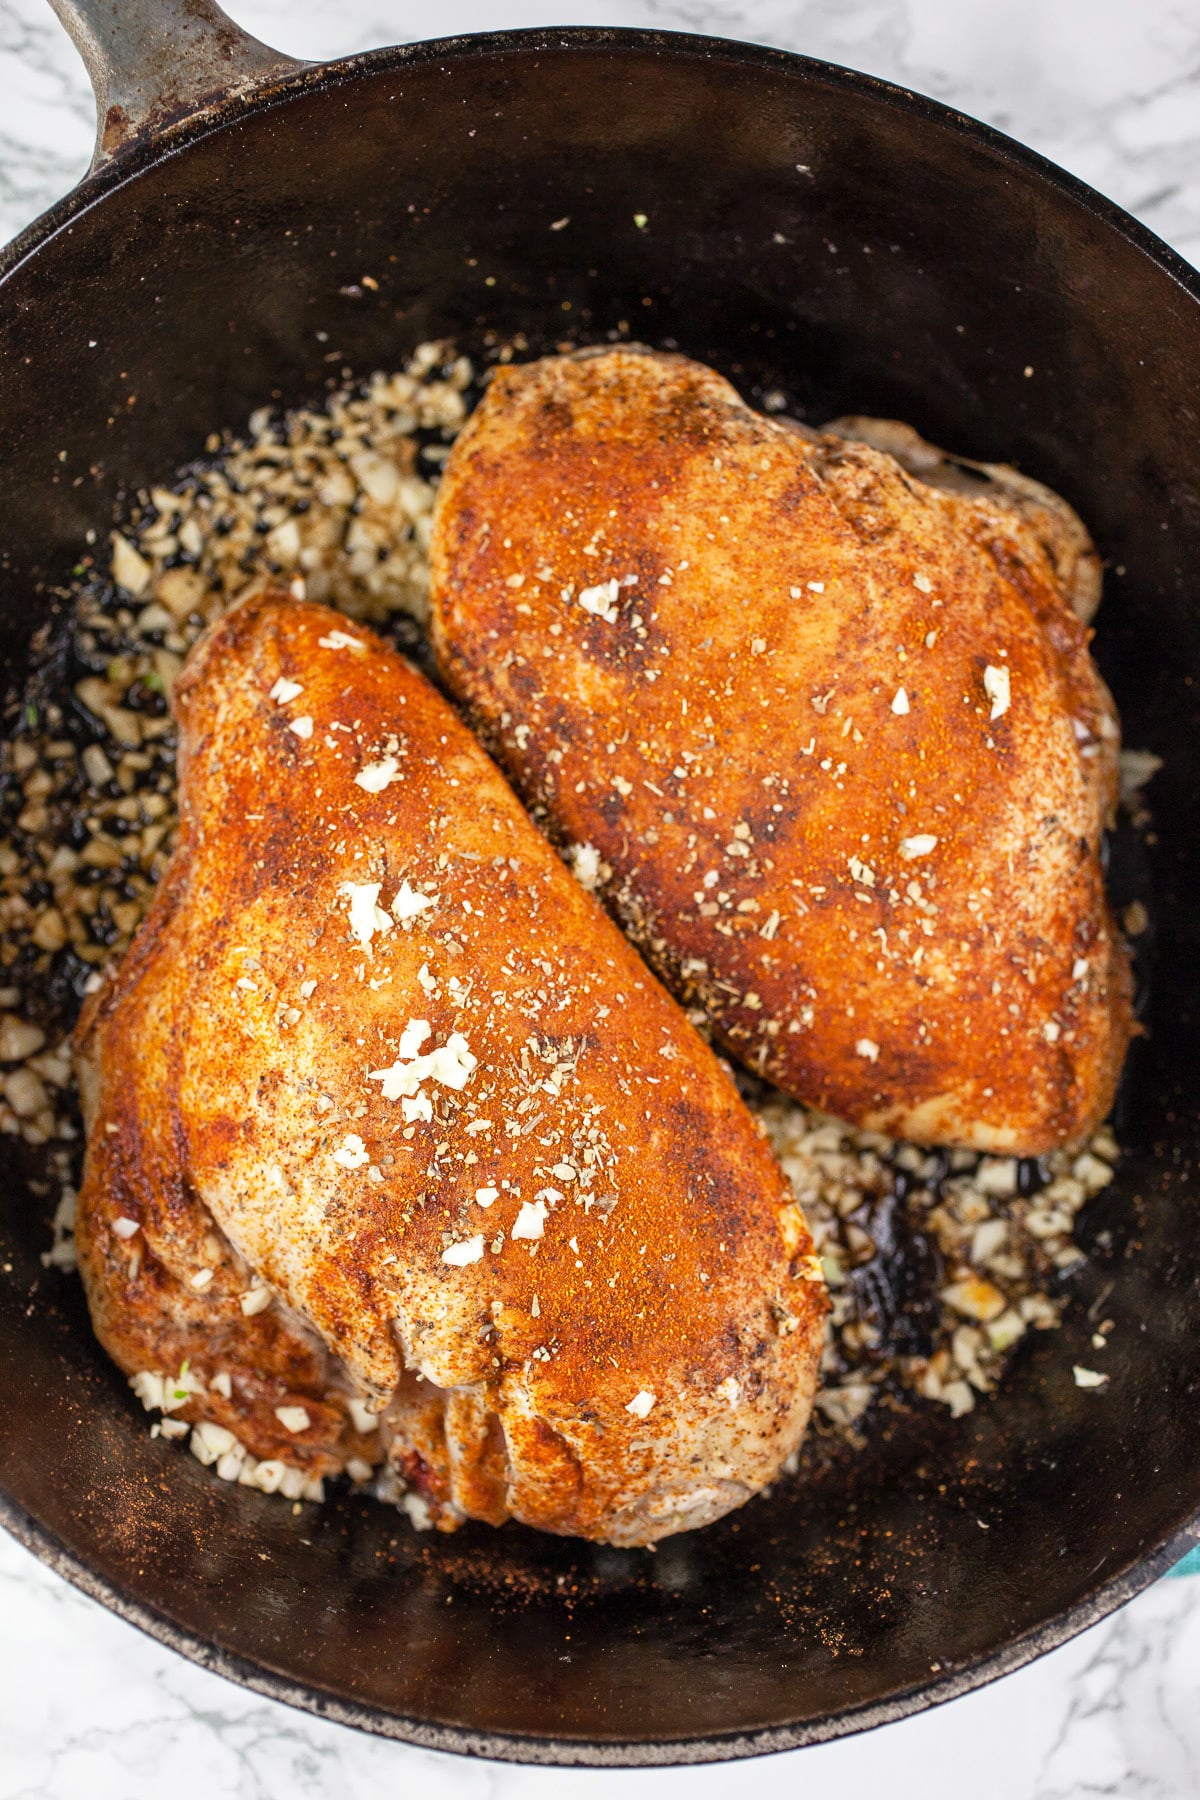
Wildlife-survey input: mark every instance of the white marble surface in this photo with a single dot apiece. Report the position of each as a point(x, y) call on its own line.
point(1111, 89)
point(90, 1707)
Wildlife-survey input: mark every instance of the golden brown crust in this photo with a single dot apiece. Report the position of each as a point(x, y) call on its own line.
point(230, 1062)
point(747, 666)
point(1056, 526)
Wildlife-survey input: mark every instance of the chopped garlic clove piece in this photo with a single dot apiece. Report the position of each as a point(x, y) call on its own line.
point(1089, 1378)
point(378, 775)
point(353, 1152)
point(409, 904)
point(601, 601)
point(531, 1220)
point(365, 912)
point(293, 1418)
point(459, 1256)
point(997, 685)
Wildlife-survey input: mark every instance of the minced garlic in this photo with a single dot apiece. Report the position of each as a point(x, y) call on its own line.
point(366, 915)
point(353, 1152)
point(378, 775)
point(997, 684)
point(470, 1250)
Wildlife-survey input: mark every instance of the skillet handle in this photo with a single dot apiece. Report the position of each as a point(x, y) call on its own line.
point(153, 62)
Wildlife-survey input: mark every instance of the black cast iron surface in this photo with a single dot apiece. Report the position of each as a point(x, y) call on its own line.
point(805, 230)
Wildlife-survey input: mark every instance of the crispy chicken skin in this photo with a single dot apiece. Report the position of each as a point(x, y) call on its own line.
point(830, 734)
point(561, 1263)
point(1056, 526)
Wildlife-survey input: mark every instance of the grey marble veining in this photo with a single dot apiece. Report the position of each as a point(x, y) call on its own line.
point(1130, 1723)
point(88, 1706)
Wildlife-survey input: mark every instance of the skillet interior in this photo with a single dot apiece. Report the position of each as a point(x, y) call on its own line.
point(808, 231)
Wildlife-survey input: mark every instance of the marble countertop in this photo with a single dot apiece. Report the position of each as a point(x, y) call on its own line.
point(1111, 90)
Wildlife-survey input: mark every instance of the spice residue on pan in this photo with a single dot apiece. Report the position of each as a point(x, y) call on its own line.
point(938, 1262)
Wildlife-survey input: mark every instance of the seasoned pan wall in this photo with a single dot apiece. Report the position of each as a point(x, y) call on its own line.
point(805, 231)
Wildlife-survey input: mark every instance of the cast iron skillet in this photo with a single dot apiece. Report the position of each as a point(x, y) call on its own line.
point(806, 229)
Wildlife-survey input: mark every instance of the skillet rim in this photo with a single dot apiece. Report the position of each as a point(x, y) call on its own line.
point(599, 1753)
point(145, 152)
point(1111, 1594)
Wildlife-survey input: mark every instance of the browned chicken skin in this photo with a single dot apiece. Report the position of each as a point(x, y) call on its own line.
point(828, 735)
point(1055, 526)
point(375, 1048)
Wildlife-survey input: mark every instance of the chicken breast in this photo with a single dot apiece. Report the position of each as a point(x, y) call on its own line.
point(1057, 527)
point(828, 736)
point(393, 1138)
